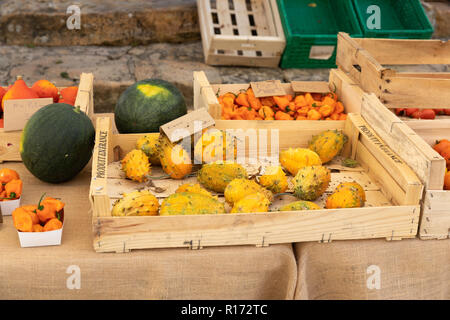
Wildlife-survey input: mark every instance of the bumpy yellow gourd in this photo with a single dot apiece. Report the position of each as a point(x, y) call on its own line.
point(137, 203)
point(274, 179)
point(311, 182)
point(175, 161)
point(215, 145)
point(256, 202)
point(188, 203)
point(150, 145)
point(217, 175)
point(239, 188)
point(345, 198)
point(193, 188)
point(295, 159)
point(136, 165)
point(328, 144)
point(354, 186)
point(300, 205)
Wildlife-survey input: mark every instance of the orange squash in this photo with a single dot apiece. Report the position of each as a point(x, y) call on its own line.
point(2, 93)
point(68, 95)
point(46, 89)
point(19, 90)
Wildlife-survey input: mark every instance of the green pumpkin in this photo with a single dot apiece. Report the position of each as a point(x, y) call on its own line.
point(147, 105)
point(57, 142)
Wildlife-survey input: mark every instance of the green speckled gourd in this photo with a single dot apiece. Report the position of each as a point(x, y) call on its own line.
point(217, 175)
point(175, 160)
point(239, 188)
point(136, 203)
point(149, 144)
point(311, 182)
point(187, 203)
point(136, 166)
point(328, 144)
point(299, 206)
point(255, 202)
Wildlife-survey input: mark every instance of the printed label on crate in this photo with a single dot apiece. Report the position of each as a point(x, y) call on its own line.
point(321, 52)
point(187, 125)
point(310, 86)
point(383, 147)
point(18, 112)
point(267, 88)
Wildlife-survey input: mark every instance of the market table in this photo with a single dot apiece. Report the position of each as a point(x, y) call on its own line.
point(243, 272)
point(407, 269)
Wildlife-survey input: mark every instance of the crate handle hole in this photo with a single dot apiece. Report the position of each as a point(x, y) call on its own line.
point(231, 4)
point(220, 51)
point(240, 53)
point(357, 67)
point(215, 17)
point(233, 19)
point(248, 3)
point(216, 30)
point(213, 4)
point(251, 20)
point(254, 32)
point(258, 53)
point(236, 32)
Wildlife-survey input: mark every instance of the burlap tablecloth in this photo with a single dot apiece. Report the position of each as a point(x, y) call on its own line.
point(241, 272)
point(406, 269)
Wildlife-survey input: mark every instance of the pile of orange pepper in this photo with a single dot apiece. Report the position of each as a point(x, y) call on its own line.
point(443, 148)
point(45, 216)
point(10, 185)
point(308, 106)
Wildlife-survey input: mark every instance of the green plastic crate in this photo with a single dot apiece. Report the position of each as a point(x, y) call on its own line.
point(311, 26)
point(405, 19)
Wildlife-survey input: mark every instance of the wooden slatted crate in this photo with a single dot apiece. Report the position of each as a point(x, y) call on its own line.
point(413, 144)
point(364, 61)
point(10, 140)
point(205, 96)
point(241, 32)
point(391, 211)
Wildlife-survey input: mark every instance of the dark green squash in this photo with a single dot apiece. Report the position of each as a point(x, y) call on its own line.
point(57, 142)
point(147, 105)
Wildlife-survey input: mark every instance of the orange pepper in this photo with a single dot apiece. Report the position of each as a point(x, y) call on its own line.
point(339, 107)
point(326, 110)
point(45, 211)
point(342, 116)
point(37, 228)
point(328, 101)
point(289, 97)
point(291, 107)
point(303, 111)
point(269, 118)
point(265, 112)
point(335, 116)
point(313, 114)
point(316, 104)
point(316, 96)
point(57, 204)
point(6, 175)
point(281, 101)
point(255, 103)
point(242, 100)
point(22, 220)
point(333, 96)
point(309, 99)
point(300, 101)
point(280, 115)
point(52, 224)
point(267, 101)
point(14, 189)
point(299, 117)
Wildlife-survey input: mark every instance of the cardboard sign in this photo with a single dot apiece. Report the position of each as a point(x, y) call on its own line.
point(267, 88)
point(187, 125)
point(18, 112)
point(310, 86)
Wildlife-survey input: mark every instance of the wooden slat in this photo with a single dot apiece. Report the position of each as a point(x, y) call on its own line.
point(404, 52)
point(435, 223)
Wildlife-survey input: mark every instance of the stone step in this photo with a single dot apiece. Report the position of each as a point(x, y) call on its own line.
point(121, 23)
point(102, 22)
point(116, 68)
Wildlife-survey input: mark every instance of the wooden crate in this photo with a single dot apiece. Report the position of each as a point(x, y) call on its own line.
point(241, 32)
point(392, 208)
point(364, 59)
point(10, 140)
point(205, 96)
point(413, 144)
